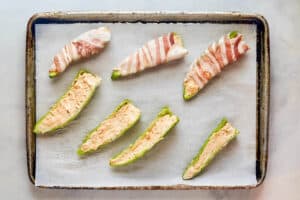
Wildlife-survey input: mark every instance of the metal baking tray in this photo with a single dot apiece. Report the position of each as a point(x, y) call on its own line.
point(262, 79)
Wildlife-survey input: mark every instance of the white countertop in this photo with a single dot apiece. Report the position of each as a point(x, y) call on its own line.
point(283, 175)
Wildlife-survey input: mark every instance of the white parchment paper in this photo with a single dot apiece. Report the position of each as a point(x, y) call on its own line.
point(233, 94)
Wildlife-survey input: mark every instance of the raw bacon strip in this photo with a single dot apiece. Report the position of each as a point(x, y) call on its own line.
point(84, 46)
point(219, 54)
point(158, 51)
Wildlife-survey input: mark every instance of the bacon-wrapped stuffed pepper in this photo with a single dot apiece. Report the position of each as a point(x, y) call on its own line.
point(219, 54)
point(158, 51)
point(84, 46)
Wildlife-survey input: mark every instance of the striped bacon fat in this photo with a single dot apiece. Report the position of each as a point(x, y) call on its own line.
point(158, 51)
point(84, 46)
point(219, 54)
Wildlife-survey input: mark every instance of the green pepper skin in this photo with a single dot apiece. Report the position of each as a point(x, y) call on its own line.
point(186, 96)
point(164, 111)
point(223, 122)
point(123, 103)
point(52, 74)
point(116, 74)
point(233, 34)
point(36, 129)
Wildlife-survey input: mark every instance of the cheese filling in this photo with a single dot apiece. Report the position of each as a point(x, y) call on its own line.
point(216, 142)
point(71, 103)
point(111, 128)
point(191, 88)
point(147, 140)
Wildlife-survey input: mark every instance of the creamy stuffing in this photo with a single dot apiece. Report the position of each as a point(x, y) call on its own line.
point(71, 103)
point(216, 142)
point(147, 140)
point(111, 128)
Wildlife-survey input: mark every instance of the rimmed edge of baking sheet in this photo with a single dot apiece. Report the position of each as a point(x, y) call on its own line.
point(262, 74)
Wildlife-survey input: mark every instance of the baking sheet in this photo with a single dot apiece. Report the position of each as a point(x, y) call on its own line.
point(233, 94)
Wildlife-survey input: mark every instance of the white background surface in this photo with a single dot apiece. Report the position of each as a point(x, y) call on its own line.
point(232, 94)
point(283, 176)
